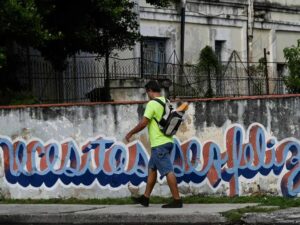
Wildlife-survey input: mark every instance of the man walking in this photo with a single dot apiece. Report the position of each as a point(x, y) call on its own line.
point(161, 147)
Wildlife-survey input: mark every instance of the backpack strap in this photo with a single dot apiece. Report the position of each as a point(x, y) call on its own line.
point(162, 104)
point(159, 101)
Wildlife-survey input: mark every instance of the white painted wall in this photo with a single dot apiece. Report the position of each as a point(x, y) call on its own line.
point(224, 20)
point(285, 39)
point(207, 123)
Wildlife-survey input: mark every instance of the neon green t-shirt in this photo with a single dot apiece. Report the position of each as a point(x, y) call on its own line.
point(155, 110)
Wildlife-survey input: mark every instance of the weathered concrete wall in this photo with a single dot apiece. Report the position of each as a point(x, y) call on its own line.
point(225, 147)
point(225, 20)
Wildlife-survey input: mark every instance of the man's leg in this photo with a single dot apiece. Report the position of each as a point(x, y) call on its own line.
point(172, 182)
point(151, 180)
point(177, 202)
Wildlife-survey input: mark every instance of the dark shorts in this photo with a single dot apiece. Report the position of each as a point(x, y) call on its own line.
point(160, 159)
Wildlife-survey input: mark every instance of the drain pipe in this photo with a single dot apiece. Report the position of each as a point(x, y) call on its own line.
point(182, 33)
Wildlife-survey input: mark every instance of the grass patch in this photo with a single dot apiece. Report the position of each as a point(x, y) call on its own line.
point(234, 216)
point(281, 202)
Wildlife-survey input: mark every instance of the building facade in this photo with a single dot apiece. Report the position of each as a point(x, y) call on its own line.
point(245, 26)
point(241, 32)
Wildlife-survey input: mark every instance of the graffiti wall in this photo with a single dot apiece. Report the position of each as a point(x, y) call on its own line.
point(78, 151)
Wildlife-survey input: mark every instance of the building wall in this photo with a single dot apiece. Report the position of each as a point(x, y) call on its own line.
point(260, 41)
point(240, 146)
point(281, 2)
point(163, 29)
point(285, 39)
point(208, 21)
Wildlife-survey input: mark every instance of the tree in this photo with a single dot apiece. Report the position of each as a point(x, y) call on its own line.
point(162, 3)
point(69, 27)
point(2, 57)
point(208, 63)
point(94, 26)
point(61, 28)
point(88, 26)
point(292, 55)
point(20, 24)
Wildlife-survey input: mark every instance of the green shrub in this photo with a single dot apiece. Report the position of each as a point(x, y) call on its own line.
point(292, 55)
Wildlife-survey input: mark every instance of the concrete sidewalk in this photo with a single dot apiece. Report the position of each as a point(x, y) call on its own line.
point(114, 214)
point(135, 214)
point(278, 217)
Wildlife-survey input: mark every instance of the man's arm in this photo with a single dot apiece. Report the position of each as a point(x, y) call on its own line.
point(141, 125)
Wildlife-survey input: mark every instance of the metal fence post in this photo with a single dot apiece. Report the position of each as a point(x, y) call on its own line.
point(173, 81)
point(60, 84)
point(29, 71)
point(106, 83)
point(266, 71)
point(75, 91)
point(142, 59)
